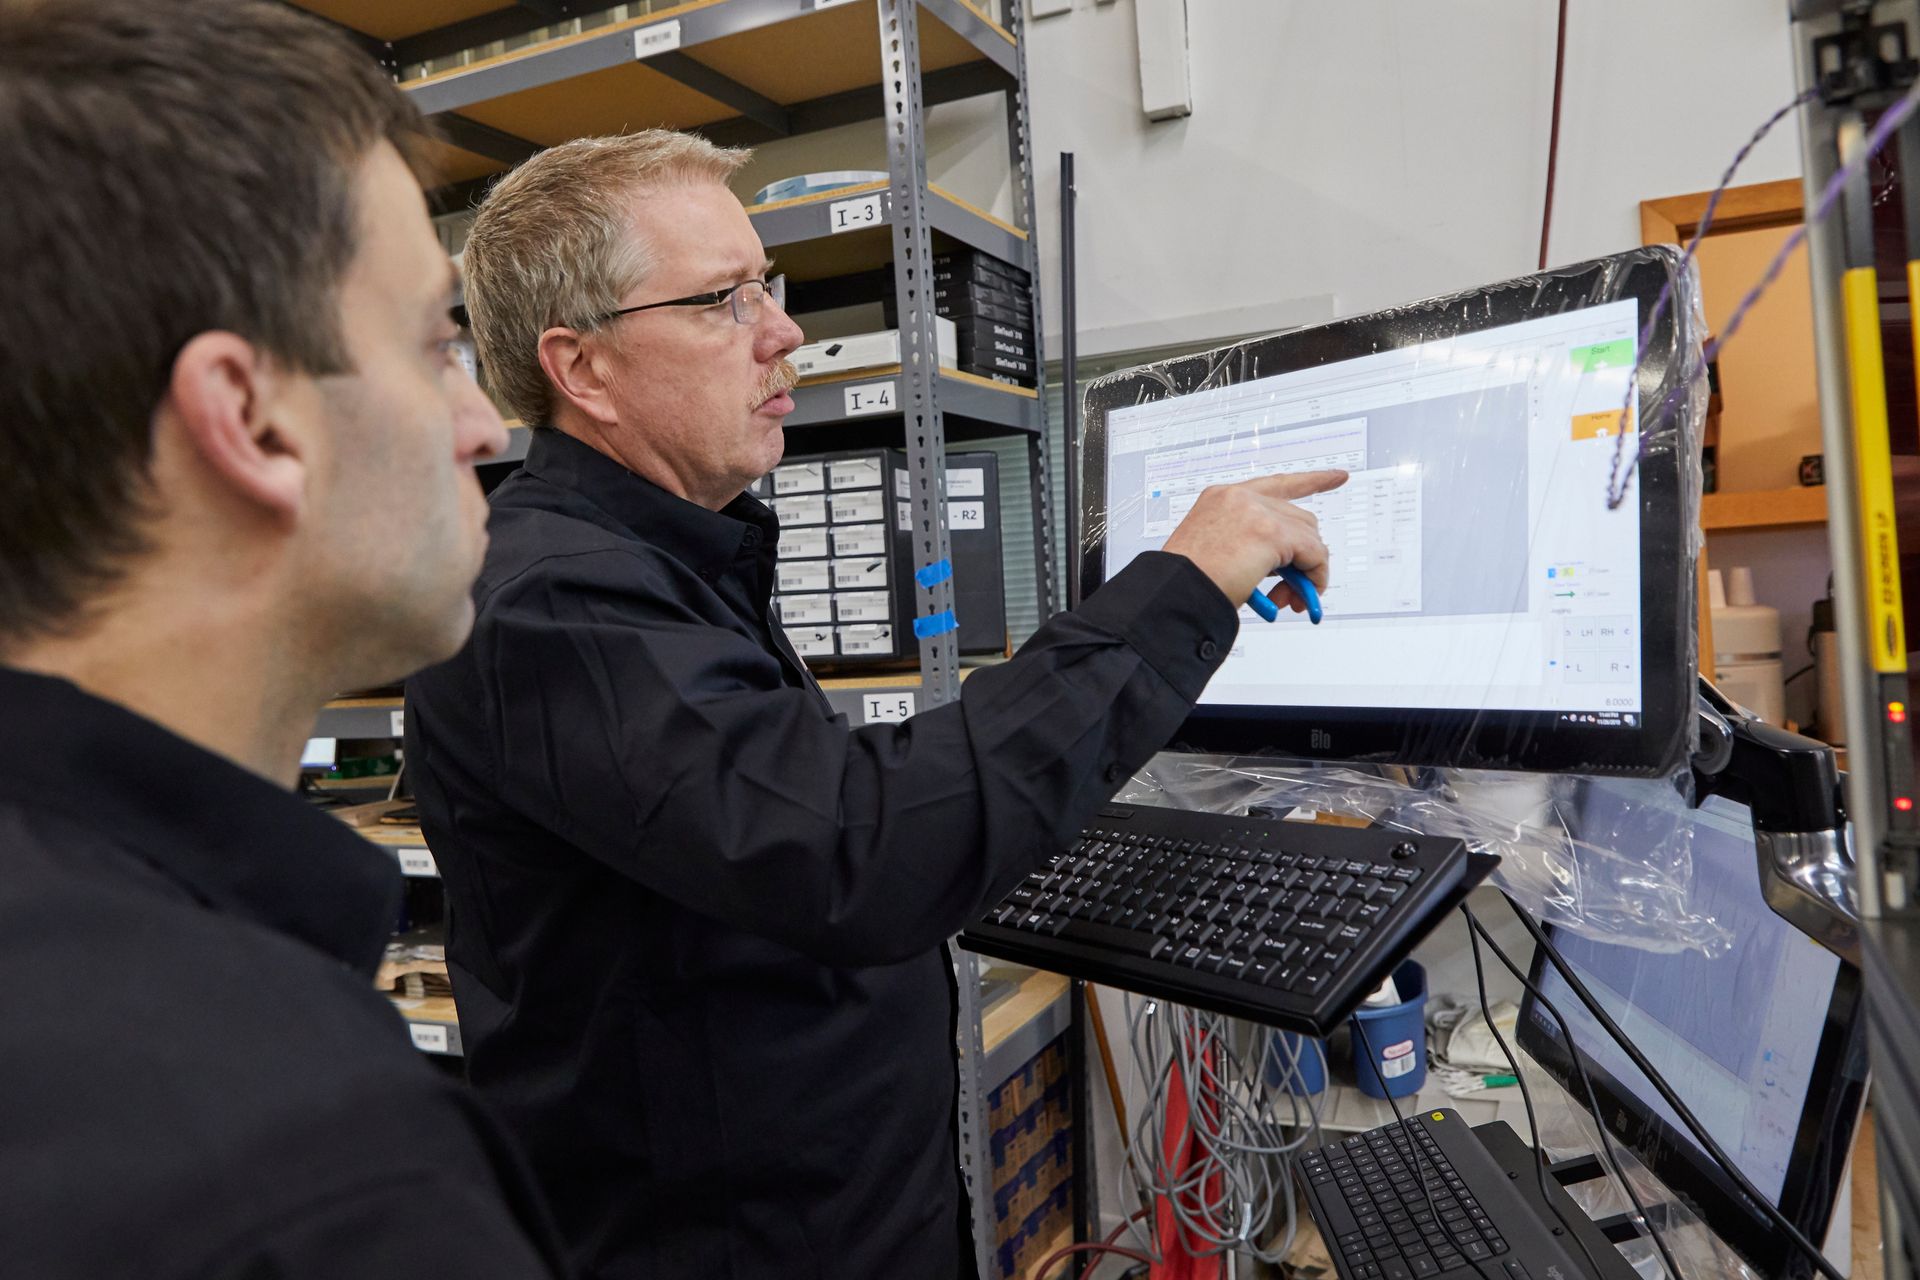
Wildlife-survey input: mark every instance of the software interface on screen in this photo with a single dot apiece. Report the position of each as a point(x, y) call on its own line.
point(1736, 1035)
point(1475, 563)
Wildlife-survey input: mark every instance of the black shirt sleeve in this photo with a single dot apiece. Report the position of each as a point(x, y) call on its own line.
point(422, 1228)
point(673, 751)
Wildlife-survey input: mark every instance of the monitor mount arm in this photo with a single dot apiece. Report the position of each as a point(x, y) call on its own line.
point(1792, 787)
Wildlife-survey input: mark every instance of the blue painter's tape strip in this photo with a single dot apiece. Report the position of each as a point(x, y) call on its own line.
point(938, 625)
point(934, 574)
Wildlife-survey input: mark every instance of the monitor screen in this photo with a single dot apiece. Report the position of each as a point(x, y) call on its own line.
point(1487, 605)
point(319, 753)
point(1762, 1042)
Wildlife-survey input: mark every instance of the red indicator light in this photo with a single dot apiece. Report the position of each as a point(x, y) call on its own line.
point(1897, 712)
point(1903, 803)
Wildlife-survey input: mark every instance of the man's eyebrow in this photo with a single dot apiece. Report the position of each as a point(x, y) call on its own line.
point(739, 275)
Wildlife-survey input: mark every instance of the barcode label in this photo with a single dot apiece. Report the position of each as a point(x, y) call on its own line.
point(660, 37)
point(428, 1037)
point(417, 861)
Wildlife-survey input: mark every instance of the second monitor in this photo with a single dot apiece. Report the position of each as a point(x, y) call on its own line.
point(1489, 606)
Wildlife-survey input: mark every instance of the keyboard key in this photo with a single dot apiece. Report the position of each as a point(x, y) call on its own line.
point(1349, 936)
point(1312, 929)
point(1496, 1244)
point(1126, 941)
point(1424, 1265)
point(1405, 875)
point(1477, 1250)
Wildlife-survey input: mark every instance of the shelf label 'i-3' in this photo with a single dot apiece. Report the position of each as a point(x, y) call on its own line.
point(869, 210)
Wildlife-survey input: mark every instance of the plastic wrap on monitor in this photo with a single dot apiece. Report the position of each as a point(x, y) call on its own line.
point(1513, 559)
point(1619, 874)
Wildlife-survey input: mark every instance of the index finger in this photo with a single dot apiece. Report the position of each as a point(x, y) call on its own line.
point(1298, 484)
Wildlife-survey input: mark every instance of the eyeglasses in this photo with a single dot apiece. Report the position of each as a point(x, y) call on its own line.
point(748, 299)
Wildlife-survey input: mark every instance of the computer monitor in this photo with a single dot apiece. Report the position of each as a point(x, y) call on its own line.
point(1765, 1043)
point(1487, 607)
point(319, 754)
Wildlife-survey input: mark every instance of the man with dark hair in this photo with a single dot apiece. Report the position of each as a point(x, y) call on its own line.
point(238, 476)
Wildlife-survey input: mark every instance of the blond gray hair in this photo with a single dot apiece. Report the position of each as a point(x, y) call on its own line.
point(553, 244)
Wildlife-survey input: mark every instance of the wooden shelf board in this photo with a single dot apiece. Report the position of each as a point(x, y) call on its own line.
point(812, 55)
point(1038, 992)
point(344, 704)
point(1764, 509)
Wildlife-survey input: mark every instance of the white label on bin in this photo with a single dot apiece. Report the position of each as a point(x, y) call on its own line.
point(869, 397)
point(804, 575)
point(802, 610)
point(857, 215)
point(399, 723)
point(966, 515)
point(1399, 1060)
point(853, 473)
point(797, 477)
point(859, 507)
point(903, 516)
point(966, 482)
point(657, 38)
point(860, 573)
point(812, 642)
point(866, 640)
point(804, 508)
point(803, 544)
point(428, 1037)
point(860, 540)
point(877, 707)
point(416, 861)
point(863, 606)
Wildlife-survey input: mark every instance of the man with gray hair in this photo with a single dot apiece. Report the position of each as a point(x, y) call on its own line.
point(696, 919)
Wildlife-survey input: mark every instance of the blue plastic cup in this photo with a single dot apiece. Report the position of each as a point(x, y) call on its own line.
point(1395, 1038)
point(1307, 1058)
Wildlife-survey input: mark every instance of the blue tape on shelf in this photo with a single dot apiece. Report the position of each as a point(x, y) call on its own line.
point(938, 625)
point(934, 574)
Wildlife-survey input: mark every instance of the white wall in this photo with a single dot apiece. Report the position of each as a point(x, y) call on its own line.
point(1378, 151)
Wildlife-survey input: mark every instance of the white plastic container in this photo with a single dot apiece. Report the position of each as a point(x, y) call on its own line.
point(1746, 646)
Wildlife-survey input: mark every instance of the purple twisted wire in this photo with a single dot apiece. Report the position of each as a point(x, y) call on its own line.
point(1616, 480)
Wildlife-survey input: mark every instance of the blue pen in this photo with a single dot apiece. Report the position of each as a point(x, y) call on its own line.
point(1302, 586)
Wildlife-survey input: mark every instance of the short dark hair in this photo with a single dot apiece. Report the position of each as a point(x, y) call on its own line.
point(174, 169)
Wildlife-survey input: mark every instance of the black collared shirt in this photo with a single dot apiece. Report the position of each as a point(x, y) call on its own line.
point(696, 919)
point(197, 1078)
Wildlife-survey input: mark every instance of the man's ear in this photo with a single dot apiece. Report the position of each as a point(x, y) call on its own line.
point(571, 364)
point(223, 393)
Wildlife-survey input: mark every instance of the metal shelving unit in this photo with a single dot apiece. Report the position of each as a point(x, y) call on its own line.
point(748, 72)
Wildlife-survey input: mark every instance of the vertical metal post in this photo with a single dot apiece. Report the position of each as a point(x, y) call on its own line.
point(926, 443)
point(1070, 370)
point(919, 351)
point(1039, 455)
point(1885, 893)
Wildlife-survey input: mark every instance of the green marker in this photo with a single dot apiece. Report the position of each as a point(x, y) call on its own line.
point(1495, 1082)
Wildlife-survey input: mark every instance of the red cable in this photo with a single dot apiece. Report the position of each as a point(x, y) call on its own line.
point(1553, 133)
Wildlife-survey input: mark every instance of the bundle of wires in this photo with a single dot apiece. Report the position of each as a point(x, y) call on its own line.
point(1211, 1159)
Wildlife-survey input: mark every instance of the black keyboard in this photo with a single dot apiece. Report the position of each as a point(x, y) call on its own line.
point(1427, 1200)
point(1290, 924)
